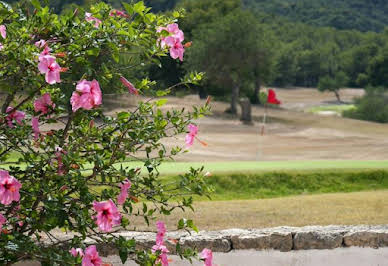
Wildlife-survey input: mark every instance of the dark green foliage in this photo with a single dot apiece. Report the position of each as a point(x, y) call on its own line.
point(372, 107)
point(160, 5)
point(363, 15)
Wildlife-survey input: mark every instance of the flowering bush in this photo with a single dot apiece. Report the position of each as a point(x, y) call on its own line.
point(62, 158)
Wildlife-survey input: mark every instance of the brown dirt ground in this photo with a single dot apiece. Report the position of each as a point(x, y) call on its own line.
point(291, 133)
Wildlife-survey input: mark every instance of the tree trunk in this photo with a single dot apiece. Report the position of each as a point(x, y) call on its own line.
point(257, 91)
point(336, 92)
point(246, 111)
point(234, 101)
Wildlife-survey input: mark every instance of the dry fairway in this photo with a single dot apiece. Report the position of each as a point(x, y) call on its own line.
point(340, 209)
point(291, 134)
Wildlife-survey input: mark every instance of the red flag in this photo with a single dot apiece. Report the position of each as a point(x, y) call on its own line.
point(272, 97)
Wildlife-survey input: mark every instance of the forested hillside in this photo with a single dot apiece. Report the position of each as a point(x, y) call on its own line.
point(363, 15)
point(59, 5)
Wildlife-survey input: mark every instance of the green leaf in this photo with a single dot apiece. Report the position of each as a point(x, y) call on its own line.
point(181, 224)
point(93, 51)
point(161, 102)
point(123, 115)
point(36, 4)
point(191, 225)
point(123, 253)
point(128, 8)
point(139, 7)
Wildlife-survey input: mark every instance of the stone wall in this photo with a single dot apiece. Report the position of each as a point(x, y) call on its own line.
point(279, 238)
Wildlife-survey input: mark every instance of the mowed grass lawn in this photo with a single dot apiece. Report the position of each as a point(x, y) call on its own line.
point(169, 168)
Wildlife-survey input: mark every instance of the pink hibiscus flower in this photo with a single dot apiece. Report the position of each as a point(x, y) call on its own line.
point(124, 187)
point(49, 66)
point(91, 257)
point(9, 188)
point(118, 13)
point(193, 131)
point(107, 215)
point(76, 252)
point(89, 18)
point(129, 85)
point(162, 259)
point(176, 32)
point(3, 31)
point(16, 116)
point(40, 43)
point(174, 41)
point(161, 232)
point(35, 127)
point(44, 103)
point(176, 47)
point(207, 255)
point(46, 51)
point(87, 95)
point(2, 221)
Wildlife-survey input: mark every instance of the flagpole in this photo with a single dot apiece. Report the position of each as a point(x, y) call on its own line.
point(264, 119)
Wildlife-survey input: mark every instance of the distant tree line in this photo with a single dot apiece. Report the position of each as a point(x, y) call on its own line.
point(243, 45)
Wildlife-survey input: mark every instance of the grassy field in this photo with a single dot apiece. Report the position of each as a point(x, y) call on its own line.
point(325, 209)
point(169, 168)
point(288, 183)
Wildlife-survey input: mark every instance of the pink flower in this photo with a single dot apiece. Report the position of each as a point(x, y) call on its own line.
point(207, 255)
point(44, 103)
point(76, 252)
point(89, 17)
point(162, 259)
point(161, 232)
point(91, 257)
point(3, 31)
point(2, 221)
point(176, 47)
point(118, 13)
point(129, 85)
point(40, 43)
point(176, 32)
point(16, 116)
point(49, 66)
point(174, 41)
point(107, 215)
point(9, 188)
point(46, 51)
point(1, 46)
point(124, 191)
point(87, 95)
point(193, 131)
point(35, 127)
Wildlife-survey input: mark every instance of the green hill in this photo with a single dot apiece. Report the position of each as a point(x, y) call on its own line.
point(363, 15)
